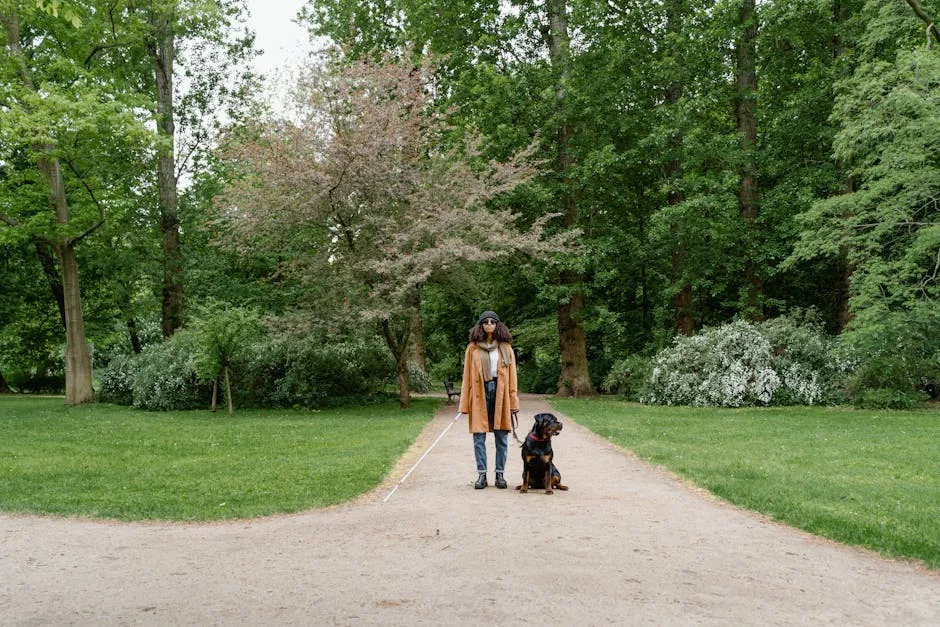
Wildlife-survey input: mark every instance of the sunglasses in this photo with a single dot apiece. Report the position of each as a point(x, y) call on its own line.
point(489, 321)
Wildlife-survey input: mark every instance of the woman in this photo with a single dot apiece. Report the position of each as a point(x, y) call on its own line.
point(489, 393)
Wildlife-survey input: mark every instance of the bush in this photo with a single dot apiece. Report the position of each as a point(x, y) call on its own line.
point(166, 377)
point(448, 369)
point(629, 377)
point(37, 382)
point(892, 355)
point(781, 361)
point(884, 398)
point(291, 371)
point(117, 380)
point(418, 379)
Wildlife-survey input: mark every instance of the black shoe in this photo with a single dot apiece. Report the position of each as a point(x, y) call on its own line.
point(500, 482)
point(481, 481)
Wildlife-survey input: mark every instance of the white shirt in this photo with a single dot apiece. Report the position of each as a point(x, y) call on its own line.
point(494, 362)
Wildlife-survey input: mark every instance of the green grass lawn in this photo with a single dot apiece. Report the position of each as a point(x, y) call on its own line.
point(118, 462)
point(869, 478)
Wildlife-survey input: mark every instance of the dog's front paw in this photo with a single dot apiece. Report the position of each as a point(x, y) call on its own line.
point(549, 491)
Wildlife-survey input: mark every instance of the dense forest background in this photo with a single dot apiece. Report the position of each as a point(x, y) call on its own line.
point(615, 178)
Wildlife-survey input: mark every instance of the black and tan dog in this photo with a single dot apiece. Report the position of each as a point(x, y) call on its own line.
point(538, 469)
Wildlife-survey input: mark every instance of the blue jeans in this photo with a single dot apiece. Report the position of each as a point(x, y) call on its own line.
point(502, 450)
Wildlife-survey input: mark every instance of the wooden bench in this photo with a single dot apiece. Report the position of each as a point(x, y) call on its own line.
point(451, 392)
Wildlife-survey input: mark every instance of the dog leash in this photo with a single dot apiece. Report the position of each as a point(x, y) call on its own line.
point(514, 420)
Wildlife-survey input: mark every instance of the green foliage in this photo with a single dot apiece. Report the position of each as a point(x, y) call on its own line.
point(887, 228)
point(847, 156)
point(865, 478)
point(267, 371)
point(165, 376)
point(116, 462)
point(538, 355)
point(306, 371)
point(222, 336)
point(629, 377)
point(449, 368)
point(886, 398)
point(33, 382)
point(31, 334)
point(895, 355)
point(116, 381)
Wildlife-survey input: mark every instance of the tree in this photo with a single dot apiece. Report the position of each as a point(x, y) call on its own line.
point(888, 224)
point(169, 25)
point(746, 114)
point(374, 200)
point(56, 123)
point(575, 379)
point(683, 318)
point(221, 339)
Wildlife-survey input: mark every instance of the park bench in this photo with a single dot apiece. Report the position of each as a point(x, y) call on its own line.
point(451, 392)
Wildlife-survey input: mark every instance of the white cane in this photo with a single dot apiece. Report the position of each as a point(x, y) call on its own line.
point(422, 457)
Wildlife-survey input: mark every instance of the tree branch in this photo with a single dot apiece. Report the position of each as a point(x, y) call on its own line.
point(102, 48)
point(8, 220)
point(622, 11)
point(877, 224)
point(919, 11)
point(94, 199)
point(182, 161)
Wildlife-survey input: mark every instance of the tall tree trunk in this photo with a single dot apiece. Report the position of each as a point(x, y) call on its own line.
point(843, 291)
point(78, 375)
point(683, 321)
point(746, 112)
point(164, 53)
point(843, 280)
point(575, 379)
point(53, 277)
point(404, 394)
point(134, 336)
point(398, 345)
point(228, 392)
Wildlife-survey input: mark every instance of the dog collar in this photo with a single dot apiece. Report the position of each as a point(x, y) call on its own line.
point(535, 438)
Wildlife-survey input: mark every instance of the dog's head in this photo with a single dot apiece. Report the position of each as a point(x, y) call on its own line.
point(546, 425)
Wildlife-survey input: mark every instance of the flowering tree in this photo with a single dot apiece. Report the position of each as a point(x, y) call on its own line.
point(367, 195)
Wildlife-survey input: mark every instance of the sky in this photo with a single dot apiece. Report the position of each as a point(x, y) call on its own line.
point(285, 43)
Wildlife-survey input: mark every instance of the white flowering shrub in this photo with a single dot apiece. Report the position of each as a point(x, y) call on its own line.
point(782, 361)
point(116, 381)
point(166, 377)
point(418, 380)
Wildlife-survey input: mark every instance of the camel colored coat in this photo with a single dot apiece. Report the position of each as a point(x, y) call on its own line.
point(473, 397)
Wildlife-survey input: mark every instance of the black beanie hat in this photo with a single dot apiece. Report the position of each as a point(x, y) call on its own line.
point(488, 314)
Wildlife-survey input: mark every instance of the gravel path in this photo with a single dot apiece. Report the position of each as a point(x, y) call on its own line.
point(628, 544)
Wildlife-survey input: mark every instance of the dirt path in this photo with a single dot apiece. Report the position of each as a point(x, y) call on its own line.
point(628, 544)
